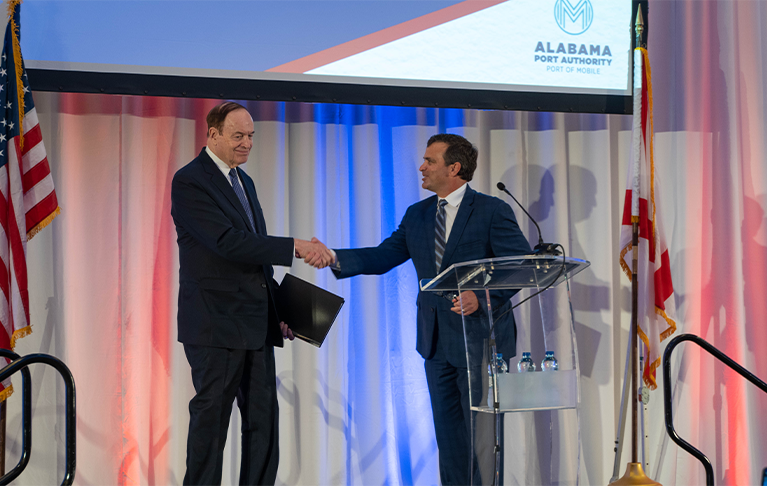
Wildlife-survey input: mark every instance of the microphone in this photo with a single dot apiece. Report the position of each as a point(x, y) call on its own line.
point(541, 247)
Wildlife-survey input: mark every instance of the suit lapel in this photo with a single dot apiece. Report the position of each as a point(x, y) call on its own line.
point(464, 211)
point(222, 184)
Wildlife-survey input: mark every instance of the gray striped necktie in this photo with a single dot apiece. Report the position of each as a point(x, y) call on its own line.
point(440, 232)
point(241, 196)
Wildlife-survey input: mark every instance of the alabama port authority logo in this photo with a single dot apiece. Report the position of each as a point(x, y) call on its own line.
point(574, 16)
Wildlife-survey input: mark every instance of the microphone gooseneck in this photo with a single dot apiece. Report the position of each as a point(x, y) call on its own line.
point(541, 247)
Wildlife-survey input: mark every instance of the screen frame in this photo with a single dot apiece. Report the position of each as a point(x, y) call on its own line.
point(316, 92)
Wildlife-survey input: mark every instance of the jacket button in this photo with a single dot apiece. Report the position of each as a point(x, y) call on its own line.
point(432, 309)
point(263, 285)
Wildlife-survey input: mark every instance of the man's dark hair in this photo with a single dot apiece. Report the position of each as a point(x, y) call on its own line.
point(458, 150)
point(218, 114)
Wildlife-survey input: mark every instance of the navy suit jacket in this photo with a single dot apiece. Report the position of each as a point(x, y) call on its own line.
point(225, 277)
point(484, 227)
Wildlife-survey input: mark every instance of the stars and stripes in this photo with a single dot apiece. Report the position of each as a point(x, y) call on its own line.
point(27, 198)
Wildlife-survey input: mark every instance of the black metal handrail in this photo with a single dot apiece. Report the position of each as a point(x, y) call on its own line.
point(21, 364)
point(667, 405)
point(26, 419)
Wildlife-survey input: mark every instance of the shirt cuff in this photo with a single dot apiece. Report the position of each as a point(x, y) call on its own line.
point(336, 265)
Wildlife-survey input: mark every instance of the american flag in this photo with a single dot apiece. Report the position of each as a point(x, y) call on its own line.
point(27, 198)
point(656, 307)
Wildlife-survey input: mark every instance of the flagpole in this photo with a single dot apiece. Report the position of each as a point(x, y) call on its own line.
point(639, 26)
point(634, 473)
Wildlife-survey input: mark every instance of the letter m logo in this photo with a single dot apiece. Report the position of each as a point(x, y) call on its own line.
point(573, 19)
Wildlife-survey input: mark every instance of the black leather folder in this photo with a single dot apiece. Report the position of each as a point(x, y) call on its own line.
point(308, 310)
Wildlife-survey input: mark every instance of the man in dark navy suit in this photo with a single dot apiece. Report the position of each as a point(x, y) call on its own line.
point(226, 315)
point(458, 224)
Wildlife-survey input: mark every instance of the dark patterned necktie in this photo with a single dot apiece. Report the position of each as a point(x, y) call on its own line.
point(440, 232)
point(241, 196)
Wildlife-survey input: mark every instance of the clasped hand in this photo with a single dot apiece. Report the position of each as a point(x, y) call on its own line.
point(314, 252)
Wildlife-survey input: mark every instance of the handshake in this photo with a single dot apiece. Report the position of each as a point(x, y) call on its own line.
point(314, 252)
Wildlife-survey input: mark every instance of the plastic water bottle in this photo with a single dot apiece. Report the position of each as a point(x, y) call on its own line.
point(549, 363)
point(500, 367)
point(500, 364)
point(526, 363)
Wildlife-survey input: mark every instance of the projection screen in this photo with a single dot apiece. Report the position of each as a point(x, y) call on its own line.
point(529, 54)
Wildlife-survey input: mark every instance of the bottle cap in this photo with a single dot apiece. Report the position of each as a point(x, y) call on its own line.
point(525, 354)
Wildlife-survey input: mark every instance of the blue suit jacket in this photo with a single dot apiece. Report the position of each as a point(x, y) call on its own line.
point(225, 275)
point(484, 227)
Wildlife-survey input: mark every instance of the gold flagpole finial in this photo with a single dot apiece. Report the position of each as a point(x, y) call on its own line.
point(639, 26)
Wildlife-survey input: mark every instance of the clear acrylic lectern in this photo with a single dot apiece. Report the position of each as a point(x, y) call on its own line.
point(499, 393)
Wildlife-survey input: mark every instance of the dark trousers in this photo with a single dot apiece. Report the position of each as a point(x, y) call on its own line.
point(219, 375)
point(449, 393)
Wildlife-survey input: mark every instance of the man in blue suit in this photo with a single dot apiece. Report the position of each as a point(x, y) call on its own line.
point(227, 320)
point(457, 224)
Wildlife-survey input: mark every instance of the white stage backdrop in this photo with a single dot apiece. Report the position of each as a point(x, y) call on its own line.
point(103, 276)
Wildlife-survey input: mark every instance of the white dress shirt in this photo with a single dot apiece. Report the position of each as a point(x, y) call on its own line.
point(451, 209)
